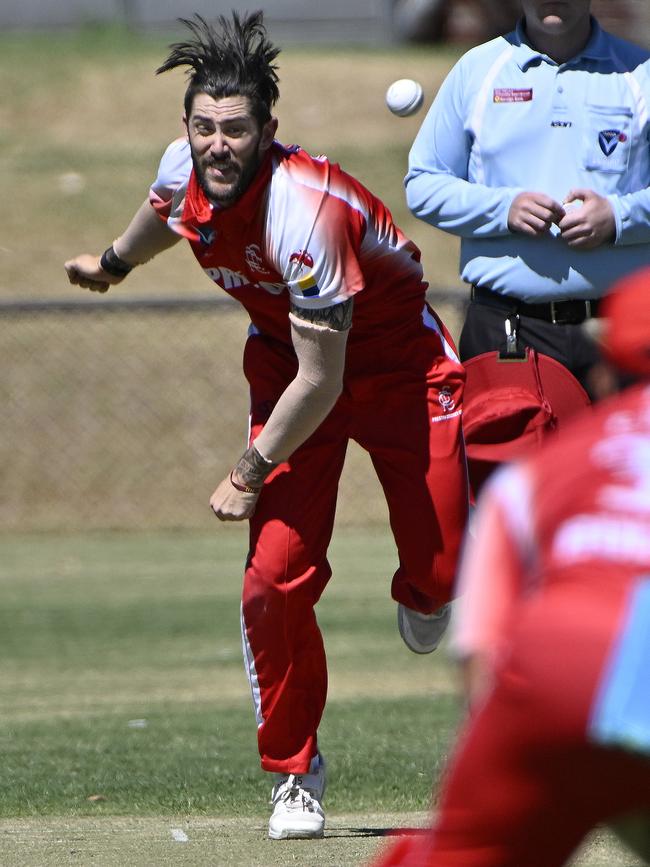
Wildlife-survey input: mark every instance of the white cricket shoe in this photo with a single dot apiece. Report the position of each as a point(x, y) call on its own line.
point(422, 632)
point(297, 811)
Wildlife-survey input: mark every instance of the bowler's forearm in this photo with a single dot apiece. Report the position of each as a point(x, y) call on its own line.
point(299, 411)
point(297, 414)
point(308, 399)
point(145, 237)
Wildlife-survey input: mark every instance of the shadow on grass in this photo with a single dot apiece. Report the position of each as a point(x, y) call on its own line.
point(374, 832)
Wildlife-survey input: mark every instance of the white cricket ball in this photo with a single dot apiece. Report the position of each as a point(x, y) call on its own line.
point(404, 97)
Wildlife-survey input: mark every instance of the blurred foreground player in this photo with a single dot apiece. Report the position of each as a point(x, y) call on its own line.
point(341, 346)
point(554, 631)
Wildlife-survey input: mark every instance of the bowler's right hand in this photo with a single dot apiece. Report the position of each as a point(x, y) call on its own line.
point(85, 271)
point(230, 504)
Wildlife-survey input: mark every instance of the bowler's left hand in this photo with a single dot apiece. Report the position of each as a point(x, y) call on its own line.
point(588, 225)
point(229, 504)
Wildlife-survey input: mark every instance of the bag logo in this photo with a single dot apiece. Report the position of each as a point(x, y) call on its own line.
point(446, 400)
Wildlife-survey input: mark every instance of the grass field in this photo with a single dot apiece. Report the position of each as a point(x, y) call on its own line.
point(126, 717)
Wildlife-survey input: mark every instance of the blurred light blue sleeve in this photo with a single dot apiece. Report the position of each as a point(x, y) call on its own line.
point(438, 187)
point(621, 713)
point(632, 210)
point(632, 214)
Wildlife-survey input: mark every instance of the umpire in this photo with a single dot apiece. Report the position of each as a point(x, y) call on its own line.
point(536, 152)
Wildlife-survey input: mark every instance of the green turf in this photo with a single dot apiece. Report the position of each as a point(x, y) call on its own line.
point(123, 679)
point(201, 759)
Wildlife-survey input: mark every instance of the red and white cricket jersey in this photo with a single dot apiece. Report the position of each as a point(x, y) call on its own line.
point(577, 513)
point(303, 231)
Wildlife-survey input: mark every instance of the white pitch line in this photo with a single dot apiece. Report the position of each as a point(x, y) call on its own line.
point(180, 836)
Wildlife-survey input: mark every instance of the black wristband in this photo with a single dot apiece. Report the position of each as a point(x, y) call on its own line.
point(113, 265)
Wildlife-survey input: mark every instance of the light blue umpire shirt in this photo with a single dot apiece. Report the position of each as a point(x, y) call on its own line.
point(508, 119)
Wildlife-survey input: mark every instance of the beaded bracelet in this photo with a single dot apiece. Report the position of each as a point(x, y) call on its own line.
point(245, 489)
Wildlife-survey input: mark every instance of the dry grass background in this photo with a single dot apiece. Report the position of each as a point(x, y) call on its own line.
point(82, 131)
point(131, 420)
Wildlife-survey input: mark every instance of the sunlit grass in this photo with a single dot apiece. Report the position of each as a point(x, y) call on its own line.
point(123, 678)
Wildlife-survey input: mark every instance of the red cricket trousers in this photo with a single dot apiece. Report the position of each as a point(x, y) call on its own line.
point(526, 785)
point(388, 403)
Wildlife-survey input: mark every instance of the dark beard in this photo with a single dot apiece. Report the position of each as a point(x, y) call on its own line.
point(242, 183)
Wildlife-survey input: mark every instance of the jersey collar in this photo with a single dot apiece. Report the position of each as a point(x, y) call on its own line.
point(596, 48)
point(199, 210)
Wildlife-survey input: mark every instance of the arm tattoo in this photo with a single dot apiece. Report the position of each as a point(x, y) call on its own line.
point(338, 317)
point(252, 468)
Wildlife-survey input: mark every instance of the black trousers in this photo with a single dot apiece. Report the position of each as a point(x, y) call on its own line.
point(484, 331)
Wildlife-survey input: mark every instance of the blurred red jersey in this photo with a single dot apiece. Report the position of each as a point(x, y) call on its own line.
point(578, 512)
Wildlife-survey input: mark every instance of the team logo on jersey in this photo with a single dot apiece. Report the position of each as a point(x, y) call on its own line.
point(512, 94)
point(206, 235)
point(302, 260)
point(445, 399)
point(608, 140)
point(254, 260)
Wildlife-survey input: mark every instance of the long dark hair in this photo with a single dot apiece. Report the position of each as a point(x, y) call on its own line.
point(231, 58)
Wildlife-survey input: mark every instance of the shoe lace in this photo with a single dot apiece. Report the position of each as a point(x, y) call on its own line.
point(293, 795)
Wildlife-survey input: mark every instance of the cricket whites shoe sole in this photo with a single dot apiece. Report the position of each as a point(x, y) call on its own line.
point(422, 633)
point(297, 811)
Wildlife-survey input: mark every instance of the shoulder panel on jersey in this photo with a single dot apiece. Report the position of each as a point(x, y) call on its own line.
point(167, 193)
point(174, 170)
point(318, 173)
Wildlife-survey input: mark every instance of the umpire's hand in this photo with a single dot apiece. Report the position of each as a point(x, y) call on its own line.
point(533, 214)
point(589, 225)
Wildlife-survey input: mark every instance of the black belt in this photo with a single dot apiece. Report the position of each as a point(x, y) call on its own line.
point(572, 311)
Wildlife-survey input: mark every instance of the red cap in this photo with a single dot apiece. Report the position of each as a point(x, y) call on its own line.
point(625, 313)
point(511, 404)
